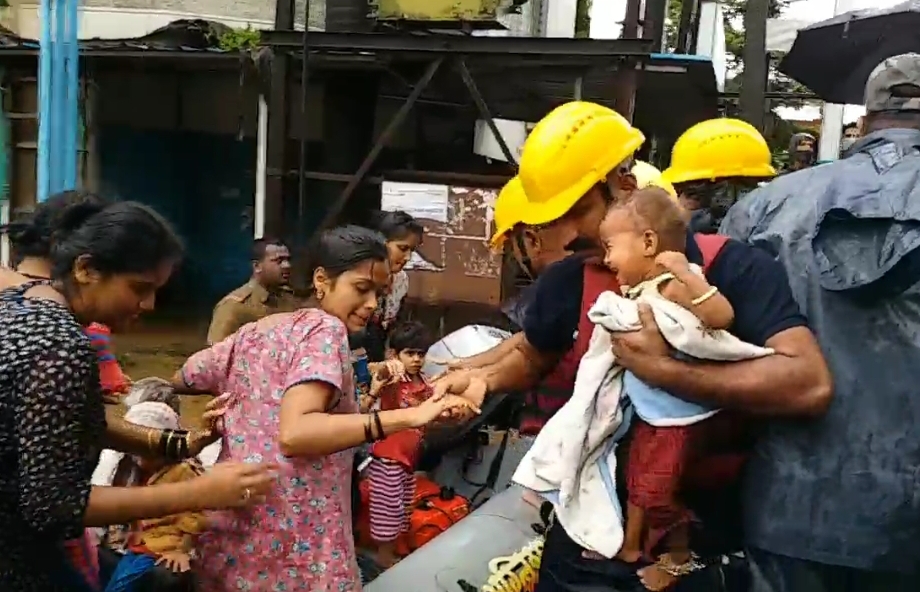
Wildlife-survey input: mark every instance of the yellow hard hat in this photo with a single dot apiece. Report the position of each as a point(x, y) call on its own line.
point(507, 211)
point(646, 175)
point(719, 148)
point(569, 151)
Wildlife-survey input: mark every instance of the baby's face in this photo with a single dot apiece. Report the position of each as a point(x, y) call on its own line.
point(625, 248)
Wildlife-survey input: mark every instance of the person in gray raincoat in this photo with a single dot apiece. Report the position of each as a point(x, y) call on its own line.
point(834, 505)
point(803, 152)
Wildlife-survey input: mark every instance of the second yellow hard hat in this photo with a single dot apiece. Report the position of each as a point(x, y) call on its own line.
point(718, 149)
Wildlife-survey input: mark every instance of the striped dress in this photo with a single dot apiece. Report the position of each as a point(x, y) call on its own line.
point(391, 473)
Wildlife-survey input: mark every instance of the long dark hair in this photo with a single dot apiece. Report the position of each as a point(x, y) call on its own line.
point(31, 232)
point(120, 237)
point(344, 248)
point(396, 225)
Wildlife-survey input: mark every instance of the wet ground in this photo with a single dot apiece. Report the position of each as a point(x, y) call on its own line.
point(159, 348)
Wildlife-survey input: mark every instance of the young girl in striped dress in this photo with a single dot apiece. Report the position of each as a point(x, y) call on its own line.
point(391, 472)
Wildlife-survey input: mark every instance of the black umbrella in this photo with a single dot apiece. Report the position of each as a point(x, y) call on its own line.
point(835, 57)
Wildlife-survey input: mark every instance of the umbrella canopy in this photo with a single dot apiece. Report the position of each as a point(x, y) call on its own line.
point(835, 57)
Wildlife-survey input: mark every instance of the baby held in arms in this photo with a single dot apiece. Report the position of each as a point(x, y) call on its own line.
point(645, 239)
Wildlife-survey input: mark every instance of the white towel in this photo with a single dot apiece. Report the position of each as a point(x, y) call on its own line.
point(573, 460)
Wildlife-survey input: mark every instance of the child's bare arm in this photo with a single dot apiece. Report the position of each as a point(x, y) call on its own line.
point(693, 292)
point(713, 310)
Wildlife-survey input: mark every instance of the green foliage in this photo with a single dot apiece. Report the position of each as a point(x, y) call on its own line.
point(734, 20)
point(582, 18)
point(239, 39)
point(734, 45)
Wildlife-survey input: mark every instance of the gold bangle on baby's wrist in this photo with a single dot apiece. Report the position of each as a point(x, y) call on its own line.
point(705, 296)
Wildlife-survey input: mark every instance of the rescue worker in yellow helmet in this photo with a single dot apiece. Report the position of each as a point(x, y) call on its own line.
point(714, 164)
point(534, 249)
point(649, 176)
point(576, 160)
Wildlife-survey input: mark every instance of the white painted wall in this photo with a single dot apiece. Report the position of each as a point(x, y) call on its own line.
point(121, 19)
point(123, 23)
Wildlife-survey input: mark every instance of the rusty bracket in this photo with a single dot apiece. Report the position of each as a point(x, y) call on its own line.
point(484, 110)
point(394, 123)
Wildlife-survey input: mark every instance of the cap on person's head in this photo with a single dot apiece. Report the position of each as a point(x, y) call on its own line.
point(894, 85)
point(508, 210)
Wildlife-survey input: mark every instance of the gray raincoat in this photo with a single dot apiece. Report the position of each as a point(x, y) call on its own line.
point(845, 490)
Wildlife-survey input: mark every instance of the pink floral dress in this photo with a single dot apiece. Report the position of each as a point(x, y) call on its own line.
point(301, 538)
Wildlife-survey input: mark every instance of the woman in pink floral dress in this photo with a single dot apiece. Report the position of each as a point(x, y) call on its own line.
point(295, 406)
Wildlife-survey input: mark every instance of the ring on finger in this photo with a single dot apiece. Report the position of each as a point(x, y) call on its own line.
point(247, 494)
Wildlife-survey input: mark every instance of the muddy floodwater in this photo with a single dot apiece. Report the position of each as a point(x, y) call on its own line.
point(160, 349)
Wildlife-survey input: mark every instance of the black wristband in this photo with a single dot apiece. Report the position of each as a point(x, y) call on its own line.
point(380, 433)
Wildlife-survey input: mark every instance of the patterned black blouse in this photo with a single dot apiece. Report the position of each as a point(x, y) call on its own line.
point(53, 422)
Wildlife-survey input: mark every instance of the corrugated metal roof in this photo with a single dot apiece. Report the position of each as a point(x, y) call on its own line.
point(178, 36)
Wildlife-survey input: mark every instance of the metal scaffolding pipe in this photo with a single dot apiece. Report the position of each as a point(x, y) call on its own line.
point(59, 92)
point(45, 111)
point(304, 96)
point(70, 120)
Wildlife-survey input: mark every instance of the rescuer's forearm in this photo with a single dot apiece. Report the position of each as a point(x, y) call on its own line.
point(520, 369)
point(493, 355)
point(793, 381)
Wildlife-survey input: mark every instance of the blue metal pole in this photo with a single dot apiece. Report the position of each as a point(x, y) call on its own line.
point(58, 97)
point(72, 88)
point(44, 103)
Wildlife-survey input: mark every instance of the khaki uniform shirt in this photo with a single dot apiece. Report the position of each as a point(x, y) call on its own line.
point(247, 304)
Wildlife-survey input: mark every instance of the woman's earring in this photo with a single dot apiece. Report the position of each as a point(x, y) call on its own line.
point(320, 294)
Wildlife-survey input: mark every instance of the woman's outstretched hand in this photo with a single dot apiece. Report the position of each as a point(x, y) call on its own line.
point(443, 407)
point(464, 383)
point(213, 416)
point(212, 420)
point(232, 485)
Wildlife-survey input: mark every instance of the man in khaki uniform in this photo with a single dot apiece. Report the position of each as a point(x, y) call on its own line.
point(267, 291)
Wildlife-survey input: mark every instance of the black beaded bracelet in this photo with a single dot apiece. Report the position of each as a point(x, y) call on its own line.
point(380, 434)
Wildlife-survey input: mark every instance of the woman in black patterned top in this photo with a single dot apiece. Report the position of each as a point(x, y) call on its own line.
point(108, 262)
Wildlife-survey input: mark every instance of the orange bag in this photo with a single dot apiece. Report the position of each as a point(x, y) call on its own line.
point(435, 511)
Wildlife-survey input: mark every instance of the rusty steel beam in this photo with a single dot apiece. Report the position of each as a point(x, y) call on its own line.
point(458, 44)
point(484, 110)
point(394, 123)
point(410, 176)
